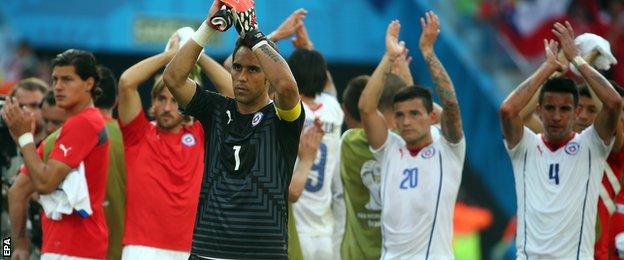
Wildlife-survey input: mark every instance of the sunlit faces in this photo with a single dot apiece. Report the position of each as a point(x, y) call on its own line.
point(558, 115)
point(249, 80)
point(588, 111)
point(412, 120)
point(69, 89)
point(165, 110)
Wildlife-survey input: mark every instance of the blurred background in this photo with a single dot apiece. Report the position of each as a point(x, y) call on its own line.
point(487, 46)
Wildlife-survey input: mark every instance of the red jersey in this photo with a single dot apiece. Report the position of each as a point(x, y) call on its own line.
point(82, 138)
point(164, 174)
point(608, 208)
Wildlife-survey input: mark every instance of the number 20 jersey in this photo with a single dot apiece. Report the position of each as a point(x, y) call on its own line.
point(557, 194)
point(418, 196)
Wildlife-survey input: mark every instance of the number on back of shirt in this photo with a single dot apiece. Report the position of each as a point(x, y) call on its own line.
point(410, 179)
point(553, 173)
point(319, 168)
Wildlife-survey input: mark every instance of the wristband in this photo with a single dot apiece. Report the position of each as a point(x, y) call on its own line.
point(258, 45)
point(578, 61)
point(202, 35)
point(25, 139)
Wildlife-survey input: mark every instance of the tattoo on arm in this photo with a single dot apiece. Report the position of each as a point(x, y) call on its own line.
point(269, 52)
point(601, 80)
point(451, 118)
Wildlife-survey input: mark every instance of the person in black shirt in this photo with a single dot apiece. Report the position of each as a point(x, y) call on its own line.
point(251, 146)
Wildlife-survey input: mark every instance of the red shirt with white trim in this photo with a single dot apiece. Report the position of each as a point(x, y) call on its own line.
point(608, 208)
point(164, 174)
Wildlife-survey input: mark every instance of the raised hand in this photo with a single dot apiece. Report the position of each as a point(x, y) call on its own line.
point(310, 141)
point(173, 44)
point(290, 25)
point(430, 29)
point(302, 40)
point(18, 120)
point(394, 47)
point(551, 48)
point(566, 39)
point(216, 6)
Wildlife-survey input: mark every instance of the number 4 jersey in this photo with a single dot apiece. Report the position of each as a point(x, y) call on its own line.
point(418, 194)
point(557, 195)
point(313, 213)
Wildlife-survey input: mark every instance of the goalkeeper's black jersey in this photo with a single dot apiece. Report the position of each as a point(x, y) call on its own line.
point(242, 211)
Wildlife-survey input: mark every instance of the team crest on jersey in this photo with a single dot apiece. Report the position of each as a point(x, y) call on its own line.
point(572, 148)
point(256, 119)
point(188, 139)
point(428, 152)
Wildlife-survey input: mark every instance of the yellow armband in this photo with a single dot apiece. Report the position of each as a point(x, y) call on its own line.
point(289, 115)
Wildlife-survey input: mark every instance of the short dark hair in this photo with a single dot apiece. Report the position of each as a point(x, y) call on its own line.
point(48, 99)
point(240, 43)
point(310, 71)
point(108, 85)
point(85, 65)
point(560, 85)
point(413, 92)
point(351, 95)
point(353, 91)
point(617, 87)
point(31, 84)
point(392, 86)
point(584, 91)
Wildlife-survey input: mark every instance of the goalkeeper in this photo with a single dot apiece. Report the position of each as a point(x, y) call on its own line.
point(251, 141)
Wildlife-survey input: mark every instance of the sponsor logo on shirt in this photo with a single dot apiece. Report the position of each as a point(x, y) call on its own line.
point(428, 152)
point(188, 139)
point(229, 114)
point(256, 119)
point(572, 148)
point(64, 149)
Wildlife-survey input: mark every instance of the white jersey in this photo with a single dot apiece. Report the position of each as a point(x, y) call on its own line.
point(418, 196)
point(313, 213)
point(557, 194)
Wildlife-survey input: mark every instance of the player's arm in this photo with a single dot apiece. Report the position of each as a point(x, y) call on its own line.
point(285, 30)
point(511, 122)
point(220, 78)
point(450, 119)
point(308, 147)
point(619, 138)
point(401, 68)
point(608, 118)
point(302, 41)
point(45, 177)
point(177, 72)
point(372, 119)
point(19, 197)
point(129, 99)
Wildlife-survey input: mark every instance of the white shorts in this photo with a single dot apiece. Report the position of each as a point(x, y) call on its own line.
point(316, 247)
point(132, 252)
point(53, 256)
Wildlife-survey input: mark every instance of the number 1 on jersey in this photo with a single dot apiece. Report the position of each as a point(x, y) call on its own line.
point(237, 156)
point(553, 172)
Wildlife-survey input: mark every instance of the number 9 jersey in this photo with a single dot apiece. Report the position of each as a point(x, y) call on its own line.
point(313, 213)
